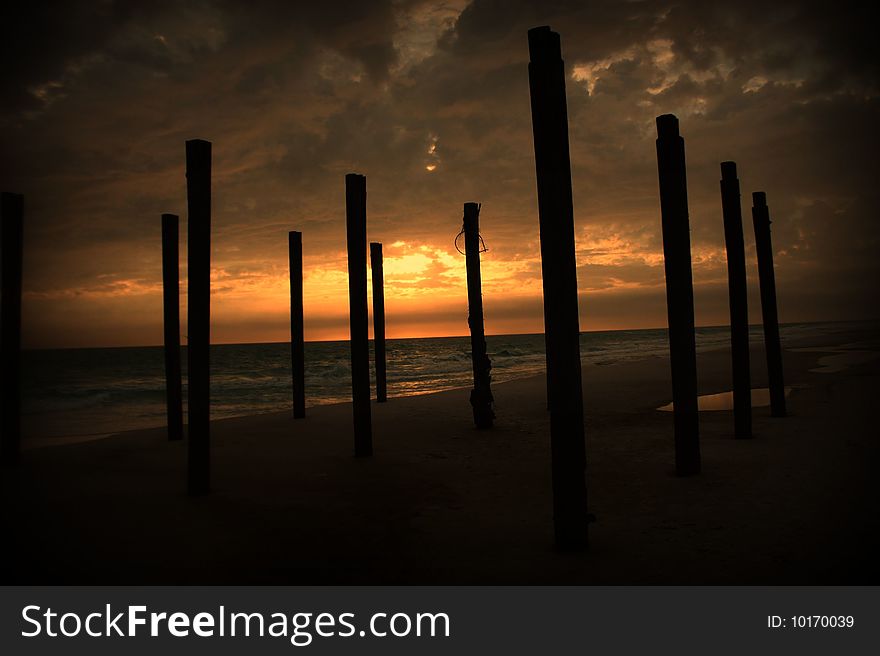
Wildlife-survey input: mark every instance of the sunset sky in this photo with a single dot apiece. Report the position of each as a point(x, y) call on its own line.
point(430, 100)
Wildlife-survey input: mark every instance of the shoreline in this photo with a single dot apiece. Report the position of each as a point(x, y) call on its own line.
point(31, 443)
point(441, 502)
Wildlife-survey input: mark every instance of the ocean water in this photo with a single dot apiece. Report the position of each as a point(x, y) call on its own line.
point(80, 392)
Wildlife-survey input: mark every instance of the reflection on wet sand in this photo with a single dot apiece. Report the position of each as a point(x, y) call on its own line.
point(724, 400)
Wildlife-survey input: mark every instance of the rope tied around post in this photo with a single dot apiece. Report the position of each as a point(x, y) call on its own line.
point(460, 236)
point(481, 395)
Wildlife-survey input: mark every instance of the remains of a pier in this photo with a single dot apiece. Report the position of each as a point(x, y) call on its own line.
point(198, 192)
point(679, 293)
point(561, 328)
point(171, 315)
point(297, 339)
point(739, 309)
point(767, 278)
point(379, 321)
point(481, 394)
point(356, 228)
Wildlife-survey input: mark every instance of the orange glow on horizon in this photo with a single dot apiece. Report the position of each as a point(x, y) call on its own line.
point(425, 294)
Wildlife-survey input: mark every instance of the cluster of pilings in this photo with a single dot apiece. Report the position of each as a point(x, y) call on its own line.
point(198, 177)
point(680, 297)
point(561, 323)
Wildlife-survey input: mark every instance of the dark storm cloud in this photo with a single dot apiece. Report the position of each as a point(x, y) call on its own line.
point(46, 37)
point(99, 97)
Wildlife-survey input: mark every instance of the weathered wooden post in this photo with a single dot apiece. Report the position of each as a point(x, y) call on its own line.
point(198, 191)
point(297, 338)
point(679, 293)
point(767, 278)
point(171, 306)
point(356, 224)
point(379, 321)
point(481, 394)
point(12, 235)
point(561, 329)
point(739, 308)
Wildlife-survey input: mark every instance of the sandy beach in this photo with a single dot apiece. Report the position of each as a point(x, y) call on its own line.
point(443, 503)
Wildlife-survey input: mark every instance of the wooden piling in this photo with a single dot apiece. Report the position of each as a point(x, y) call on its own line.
point(171, 314)
point(738, 294)
point(12, 236)
point(297, 339)
point(198, 189)
point(767, 279)
point(481, 394)
point(356, 228)
point(561, 329)
point(679, 293)
point(379, 321)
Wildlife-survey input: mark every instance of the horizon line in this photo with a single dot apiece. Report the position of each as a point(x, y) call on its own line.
point(393, 339)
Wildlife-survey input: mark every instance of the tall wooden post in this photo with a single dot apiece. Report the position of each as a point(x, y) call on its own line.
point(679, 293)
point(767, 277)
point(12, 235)
point(171, 305)
point(297, 339)
point(379, 321)
point(738, 292)
point(481, 395)
point(561, 329)
point(198, 190)
point(356, 224)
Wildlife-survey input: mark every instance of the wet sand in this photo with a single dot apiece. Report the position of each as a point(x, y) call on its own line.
point(441, 502)
point(724, 400)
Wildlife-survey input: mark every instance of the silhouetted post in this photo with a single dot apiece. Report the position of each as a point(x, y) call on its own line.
point(356, 223)
point(297, 338)
point(12, 235)
point(198, 191)
point(767, 278)
point(679, 293)
point(561, 329)
point(481, 395)
point(738, 292)
point(171, 303)
point(379, 321)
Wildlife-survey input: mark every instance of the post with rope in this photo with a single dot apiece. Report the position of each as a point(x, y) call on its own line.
point(559, 268)
point(379, 321)
point(481, 395)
